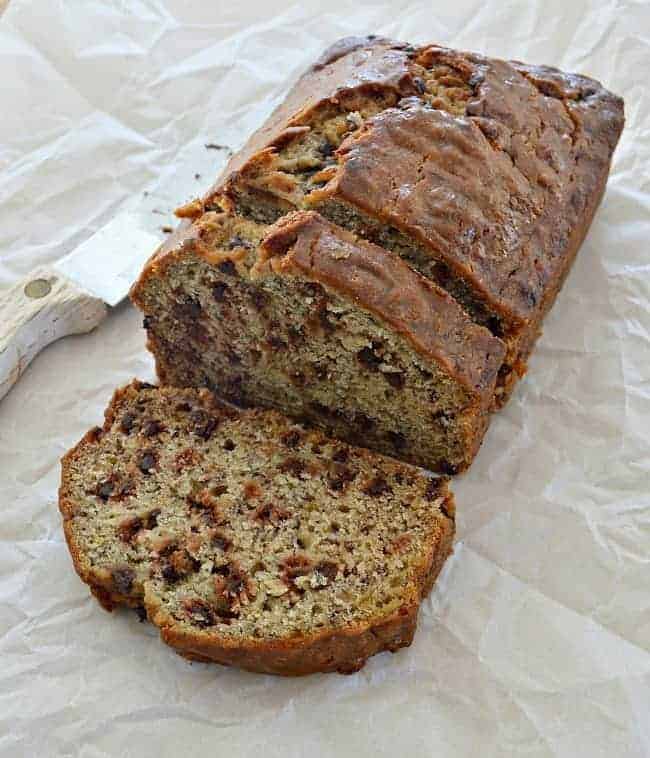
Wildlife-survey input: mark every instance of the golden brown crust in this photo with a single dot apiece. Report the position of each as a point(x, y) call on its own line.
point(353, 64)
point(498, 195)
point(533, 144)
point(344, 649)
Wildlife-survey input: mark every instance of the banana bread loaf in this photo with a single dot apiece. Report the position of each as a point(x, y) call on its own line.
point(308, 319)
point(483, 174)
point(249, 540)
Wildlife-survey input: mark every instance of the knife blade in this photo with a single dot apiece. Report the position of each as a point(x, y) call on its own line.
point(70, 297)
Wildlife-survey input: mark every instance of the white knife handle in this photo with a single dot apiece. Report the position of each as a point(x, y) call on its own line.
point(42, 308)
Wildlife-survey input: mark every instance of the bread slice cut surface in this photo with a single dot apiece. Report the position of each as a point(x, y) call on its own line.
point(248, 539)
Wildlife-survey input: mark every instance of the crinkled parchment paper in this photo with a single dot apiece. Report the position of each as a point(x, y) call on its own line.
point(536, 640)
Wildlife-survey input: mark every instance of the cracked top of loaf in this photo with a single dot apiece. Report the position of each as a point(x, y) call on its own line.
point(491, 165)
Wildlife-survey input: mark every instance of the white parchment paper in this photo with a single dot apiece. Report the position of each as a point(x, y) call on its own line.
point(536, 640)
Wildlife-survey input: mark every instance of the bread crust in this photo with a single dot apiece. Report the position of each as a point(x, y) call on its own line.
point(503, 195)
point(344, 649)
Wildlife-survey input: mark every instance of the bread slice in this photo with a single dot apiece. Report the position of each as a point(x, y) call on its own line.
point(483, 174)
point(250, 540)
point(308, 319)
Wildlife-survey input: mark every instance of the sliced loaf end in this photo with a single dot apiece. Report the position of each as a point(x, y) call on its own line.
point(310, 320)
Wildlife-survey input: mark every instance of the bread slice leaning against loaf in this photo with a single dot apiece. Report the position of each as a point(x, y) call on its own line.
point(249, 540)
point(307, 318)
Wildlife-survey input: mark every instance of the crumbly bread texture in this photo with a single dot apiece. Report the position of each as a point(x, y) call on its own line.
point(247, 539)
point(483, 174)
point(308, 319)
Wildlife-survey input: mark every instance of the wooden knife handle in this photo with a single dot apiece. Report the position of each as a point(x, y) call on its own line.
point(38, 310)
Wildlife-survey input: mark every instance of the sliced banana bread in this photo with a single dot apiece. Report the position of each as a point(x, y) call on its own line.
point(308, 319)
point(249, 540)
point(483, 174)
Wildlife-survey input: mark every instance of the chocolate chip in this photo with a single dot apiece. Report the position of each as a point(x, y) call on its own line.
point(151, 428)
point(183, 406)
point(276, 343)
point(147, 322)
point(397, 439)
point(123, 579)
point(204, 424)
point(129, 528)
point(142, 613)
point(200, 613)
point(365, 422)
point(321, 372)
point(147, 461)
point(320, 409)
point(270, 512)
point(447, 468)
point(220, 541)
point(341, 455)
point(495, 326)
point(259, 299)
point(368, 359)
point(293, 466)
point(229, 445)
point(377, 486)
point(169, 573)
point(227, 267)
point(127, 422)
point(219, 291)
point(420, 86)
point(294, 566)
point(292, 438)
point(340, 477)
point(395, 379)
point(188, 308)
point(441, 418)
point(433, 490)
point(328, 569)
point(105, 489)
